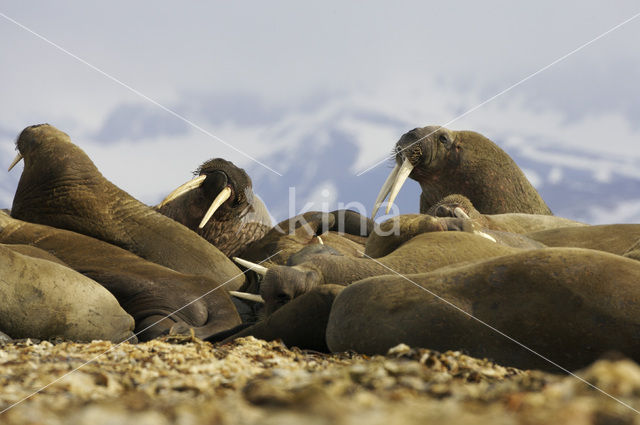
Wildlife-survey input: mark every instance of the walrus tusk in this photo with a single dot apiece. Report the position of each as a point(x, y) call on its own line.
point(220, 199)
point(403, 174)
point(459, 212)
point(247, 296)
point(386, 187)
point(320, 240)
point(484, 235)
point(261, 270)
point(183, 188)
point(15, 161)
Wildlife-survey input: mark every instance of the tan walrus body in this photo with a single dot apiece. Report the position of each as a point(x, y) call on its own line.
point(42, 299)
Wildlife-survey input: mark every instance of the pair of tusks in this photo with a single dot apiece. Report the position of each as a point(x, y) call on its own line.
point(194, 184)
point(392, 185)
point(261, 270)
point(15, 161)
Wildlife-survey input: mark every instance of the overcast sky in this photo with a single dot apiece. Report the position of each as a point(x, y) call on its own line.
point(244, 71)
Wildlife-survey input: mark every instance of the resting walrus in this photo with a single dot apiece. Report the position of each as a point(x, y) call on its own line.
point(568, 304)
point(425, 252)
point(571, 305)
point(445, 162)
point(460, 206)
point(42, 299)
point(151, 293)
point(219, 205)
point(61, 187)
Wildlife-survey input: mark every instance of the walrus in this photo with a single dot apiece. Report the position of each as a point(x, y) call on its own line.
point(570, 305)
point(219, 205)
point(61, 187)
point(42, 299)
point(301, 323)
point(313, 227)
point(147, 291)
point(424, 252)
point(397, 230)
point(445, 162)
point(340, 232)
point(457, 205)
point(613, 238)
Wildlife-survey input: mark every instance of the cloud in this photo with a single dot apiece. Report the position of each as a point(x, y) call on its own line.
point(298, 91)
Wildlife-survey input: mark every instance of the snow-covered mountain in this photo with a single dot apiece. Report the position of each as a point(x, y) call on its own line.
point(319, 149)
point(577, 185)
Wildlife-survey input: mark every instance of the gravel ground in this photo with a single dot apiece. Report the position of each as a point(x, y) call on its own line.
point(186, 381)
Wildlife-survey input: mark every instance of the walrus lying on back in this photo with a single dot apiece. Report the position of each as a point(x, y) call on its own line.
point(445, 162)
point(61, 187)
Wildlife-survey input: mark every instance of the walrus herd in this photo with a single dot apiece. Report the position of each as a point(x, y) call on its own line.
point(485, 267)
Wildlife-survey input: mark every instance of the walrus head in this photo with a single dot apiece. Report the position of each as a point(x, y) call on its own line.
point(219, 189)
point(38, 140)
point(419, 153)
point(447, 162)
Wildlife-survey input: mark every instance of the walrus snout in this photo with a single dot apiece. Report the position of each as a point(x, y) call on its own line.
point(282, 284)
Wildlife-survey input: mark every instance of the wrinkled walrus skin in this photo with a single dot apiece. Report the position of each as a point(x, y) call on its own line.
point(147, 291)
point(423, 253)
point(446, 162)
point(571, 305)
point(238, 221)
point(62, 188)
point(519, 223)
point(294, 234)
point(42, 299)
point(613, 238)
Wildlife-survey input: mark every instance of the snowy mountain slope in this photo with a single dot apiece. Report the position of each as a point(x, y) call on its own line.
point(322, 146)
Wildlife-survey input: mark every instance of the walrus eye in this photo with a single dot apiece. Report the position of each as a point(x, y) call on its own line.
point(444, 139)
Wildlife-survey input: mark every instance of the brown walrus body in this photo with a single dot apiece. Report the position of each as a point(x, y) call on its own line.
point(425, 252)
point(42, 299)
point(613, 238)
point(61, 187)
point(519, 223)
point(149, 292)
point(570, 305)
point(446, 162)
